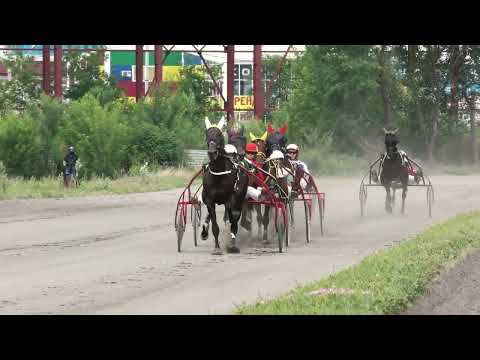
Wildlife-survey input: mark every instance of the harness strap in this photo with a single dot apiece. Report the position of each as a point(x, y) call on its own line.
point(403, 158)
point(235, 165)
point(220, 173)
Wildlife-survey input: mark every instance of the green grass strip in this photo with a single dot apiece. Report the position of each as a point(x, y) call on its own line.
point(385, 282)
point(52, 187)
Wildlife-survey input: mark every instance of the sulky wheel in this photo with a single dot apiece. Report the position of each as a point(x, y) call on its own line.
point(280, 229)
point(308, 219)
point(363, 200)
point(430, 199)
point(180, 227)
point(292, 215)
point(196, 216)
point(289, 222)
point(321, 212)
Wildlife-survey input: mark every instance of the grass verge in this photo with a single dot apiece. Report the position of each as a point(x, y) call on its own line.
point(11, 188)
point(385, 282)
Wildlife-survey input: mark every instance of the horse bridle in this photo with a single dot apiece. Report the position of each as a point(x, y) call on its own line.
point(393, 152)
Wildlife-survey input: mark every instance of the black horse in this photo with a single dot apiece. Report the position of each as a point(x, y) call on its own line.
point(239, 141)
point(276, 139)
point(393, 168)
point(223, 184)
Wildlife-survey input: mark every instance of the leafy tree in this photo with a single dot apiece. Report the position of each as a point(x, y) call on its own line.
point(337, 93)
point(468, 82)
point(282, 86)
point(196, 82)
point(86, 76)
point(24, 87)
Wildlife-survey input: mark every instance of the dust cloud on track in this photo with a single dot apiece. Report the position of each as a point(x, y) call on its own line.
point(117, 254)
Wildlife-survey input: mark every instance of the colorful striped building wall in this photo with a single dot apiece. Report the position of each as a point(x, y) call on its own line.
point(122, 68)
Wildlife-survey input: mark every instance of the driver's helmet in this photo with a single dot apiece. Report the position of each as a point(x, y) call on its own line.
point(293, 147)
point(251, 148)
point(71, 149)
point(276, 155)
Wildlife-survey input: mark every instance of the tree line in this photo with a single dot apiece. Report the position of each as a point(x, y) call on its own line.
point(339, 95)
point(349, 92)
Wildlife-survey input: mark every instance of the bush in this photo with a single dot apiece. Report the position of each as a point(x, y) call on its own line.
point(20, 146)
point(176, 114)
point(3, 178)
point(49, 115)
point(100, 136)
point(29, 142)
point(322, 159)
point(154, 145)
point(110, 134)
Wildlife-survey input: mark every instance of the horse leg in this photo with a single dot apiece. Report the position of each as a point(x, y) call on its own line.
point(225, 215)
point(258, 209)
point(246, 218)
point(388, 199)
point(404, 194)
point(234, 212)
point(215, 228)
point(266, 220)
point(205, 226)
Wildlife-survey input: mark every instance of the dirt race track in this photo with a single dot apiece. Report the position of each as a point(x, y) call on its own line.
point(117, 254)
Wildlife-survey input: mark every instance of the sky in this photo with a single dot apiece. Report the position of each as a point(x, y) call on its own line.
point(221, 57)
point(217, 57)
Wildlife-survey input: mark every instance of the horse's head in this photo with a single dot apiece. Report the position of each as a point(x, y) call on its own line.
point(276, 139)
point(215, 139)
point(237, 139)
point(391, 141)
point(260, 141)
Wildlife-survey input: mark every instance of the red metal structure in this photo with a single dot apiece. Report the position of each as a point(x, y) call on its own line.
point(139, 71)
point(46, 69)
point(258, 98)
point(58, 71)
point(230, 49)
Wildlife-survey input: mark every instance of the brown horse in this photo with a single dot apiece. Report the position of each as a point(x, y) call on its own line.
point(277, 181)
